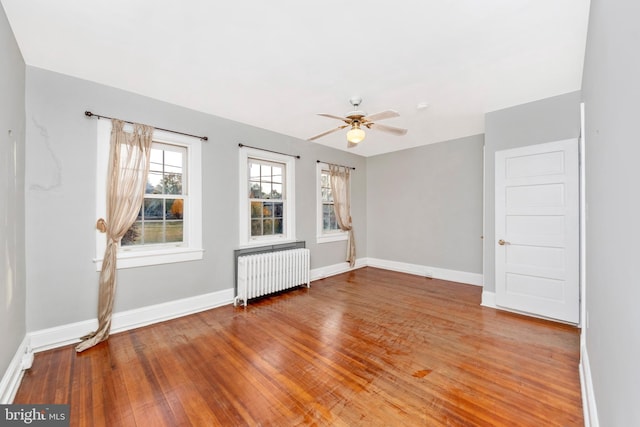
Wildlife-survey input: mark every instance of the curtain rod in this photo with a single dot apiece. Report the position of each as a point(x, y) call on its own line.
point(350, 167)
point(90, 114)
point(268, 151)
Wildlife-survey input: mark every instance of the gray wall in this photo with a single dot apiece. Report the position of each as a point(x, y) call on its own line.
point(60, 199)
point(425, 205)
point(12, 263)
point(611, 91)
point(547, 120)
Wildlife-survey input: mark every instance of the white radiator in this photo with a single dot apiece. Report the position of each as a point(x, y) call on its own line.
point(270, 272)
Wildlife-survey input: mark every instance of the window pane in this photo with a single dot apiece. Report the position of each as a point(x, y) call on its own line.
point(266, 190)
point(156, 160)
point(276, 191)
point(268, 226)
point(277, 174)
point(329, 221)
point(153, 232)
point(277, 226)
point(154, 183)
point(256, 227)
point(254, 171)
point(172, 183)
point(267, 210)
point(133, 236)
point(174, 208)
point(332, 219)
point(174, 231)
point(265, 172)
point(278, 210)
point(256, 209)
point(254, 190)
point(173, 162)
point(153, 209)
point(326, 219)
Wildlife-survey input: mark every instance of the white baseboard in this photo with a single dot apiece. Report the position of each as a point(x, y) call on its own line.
point(427, 271)
point(488, 299)
point(586, 384)
point(332, 270)
point(13, 375)
point(46, 339)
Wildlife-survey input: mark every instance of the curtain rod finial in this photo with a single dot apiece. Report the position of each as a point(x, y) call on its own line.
point(88, 113)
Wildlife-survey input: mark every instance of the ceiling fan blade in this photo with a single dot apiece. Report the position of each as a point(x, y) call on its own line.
point(320, 135)
point(389, 129)
point(332, 116)
point(388, 114)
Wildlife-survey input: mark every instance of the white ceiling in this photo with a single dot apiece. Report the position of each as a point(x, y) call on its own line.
point(274, 64)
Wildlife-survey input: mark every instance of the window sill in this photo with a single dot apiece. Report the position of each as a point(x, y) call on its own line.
point(131, 259)
point(333, 237)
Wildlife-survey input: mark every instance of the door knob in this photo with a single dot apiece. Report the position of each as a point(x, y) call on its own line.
point(502, 242)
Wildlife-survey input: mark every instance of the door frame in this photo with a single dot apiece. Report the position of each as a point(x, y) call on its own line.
point(584, 320)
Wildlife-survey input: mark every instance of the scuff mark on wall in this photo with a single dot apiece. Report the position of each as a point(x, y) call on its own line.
point(49, 163)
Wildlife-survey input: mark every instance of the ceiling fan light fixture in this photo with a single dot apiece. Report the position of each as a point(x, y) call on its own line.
point(355, 134)
point(357, 120)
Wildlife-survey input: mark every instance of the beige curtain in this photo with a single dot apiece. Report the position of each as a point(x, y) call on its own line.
point(340, 188)
point(126, 182)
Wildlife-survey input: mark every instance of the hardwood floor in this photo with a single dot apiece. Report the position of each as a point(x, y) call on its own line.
point(370, 347)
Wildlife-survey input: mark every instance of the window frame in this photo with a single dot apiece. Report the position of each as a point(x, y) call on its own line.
point(323, 236)
point(288, 191)
point(164, 253)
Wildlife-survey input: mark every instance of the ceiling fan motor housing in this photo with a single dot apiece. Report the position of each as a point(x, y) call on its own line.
point(356, 115)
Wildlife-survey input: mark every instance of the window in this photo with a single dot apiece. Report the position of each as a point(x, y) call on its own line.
point(161, 217)
point(329, 221)
point(327, 228)
point(169, 226)
point(266, 198)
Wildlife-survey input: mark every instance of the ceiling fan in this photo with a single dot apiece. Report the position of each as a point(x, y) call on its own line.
point(358, 119)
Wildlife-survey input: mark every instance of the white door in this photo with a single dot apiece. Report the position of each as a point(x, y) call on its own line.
point(537, 230)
